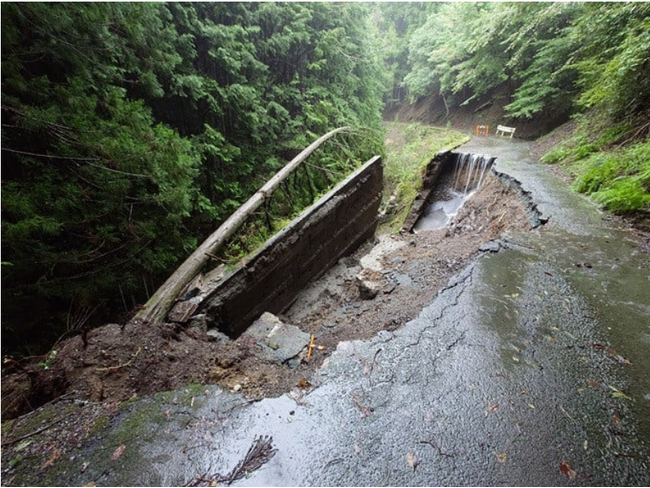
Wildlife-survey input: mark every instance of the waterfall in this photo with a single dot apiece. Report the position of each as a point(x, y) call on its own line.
point(472, 167)
point(454, 189)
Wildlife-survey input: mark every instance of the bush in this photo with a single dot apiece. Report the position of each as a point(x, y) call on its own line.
point(619, 179)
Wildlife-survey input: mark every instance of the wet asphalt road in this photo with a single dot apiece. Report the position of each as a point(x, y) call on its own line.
point(504, 379)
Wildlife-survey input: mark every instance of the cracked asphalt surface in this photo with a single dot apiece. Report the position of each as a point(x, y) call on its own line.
point(529, 368)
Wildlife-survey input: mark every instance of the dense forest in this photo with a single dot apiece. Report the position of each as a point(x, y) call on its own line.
point(131, 130)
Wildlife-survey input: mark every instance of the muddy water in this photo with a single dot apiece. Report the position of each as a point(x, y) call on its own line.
point(439, 213)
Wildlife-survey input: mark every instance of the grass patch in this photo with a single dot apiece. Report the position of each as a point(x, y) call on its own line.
point(409, 148)
point(619, 179)
point(608, 164)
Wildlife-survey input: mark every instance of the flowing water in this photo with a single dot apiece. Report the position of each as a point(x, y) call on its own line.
point(454, 189)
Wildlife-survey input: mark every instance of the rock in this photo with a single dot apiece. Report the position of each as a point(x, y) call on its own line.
point(280, 342)
point(216, 335)
point(367, 289)
point(492, 246)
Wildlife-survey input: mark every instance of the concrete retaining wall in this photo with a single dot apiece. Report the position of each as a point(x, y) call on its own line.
point(331, 228)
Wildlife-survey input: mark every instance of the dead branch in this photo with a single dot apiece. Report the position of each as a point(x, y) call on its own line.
point(128, 363)
point(365, 410)
point(260, 453)
point(156, 309)
point(369, 367)
point(432, 442)
point(636, 134)
point(215, 257)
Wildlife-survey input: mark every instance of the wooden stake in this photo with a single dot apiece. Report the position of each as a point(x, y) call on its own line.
point(312, 344)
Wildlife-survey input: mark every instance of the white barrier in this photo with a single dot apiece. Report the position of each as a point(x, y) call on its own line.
point(505, 130)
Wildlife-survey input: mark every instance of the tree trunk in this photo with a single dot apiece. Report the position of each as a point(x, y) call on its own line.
point(158, 306)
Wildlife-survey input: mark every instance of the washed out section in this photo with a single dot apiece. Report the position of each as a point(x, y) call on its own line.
point(458, 177)
point(269, 281)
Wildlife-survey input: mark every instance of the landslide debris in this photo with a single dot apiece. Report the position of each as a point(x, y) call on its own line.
point(381, 286)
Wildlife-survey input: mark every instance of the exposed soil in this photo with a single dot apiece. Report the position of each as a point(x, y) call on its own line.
point(409, 275)
point(117, 362)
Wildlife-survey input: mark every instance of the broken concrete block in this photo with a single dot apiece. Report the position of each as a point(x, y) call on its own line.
point(280, 342)
point(369, 282)
point(492, 246)
point(367, 289)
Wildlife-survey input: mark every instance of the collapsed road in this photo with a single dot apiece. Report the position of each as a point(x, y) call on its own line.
point(528, 368)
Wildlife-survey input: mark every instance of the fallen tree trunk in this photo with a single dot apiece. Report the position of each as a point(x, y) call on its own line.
point(158, 306)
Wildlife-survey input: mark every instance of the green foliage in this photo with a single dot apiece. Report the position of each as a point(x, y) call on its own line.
point(91, 182)
point(454, 53)
point(395, 23)
point(131, 130)
point(329, 165)
point(615, 73)
point(587, 60)
point(550, 57)
point(606, 165)
point(619, 179)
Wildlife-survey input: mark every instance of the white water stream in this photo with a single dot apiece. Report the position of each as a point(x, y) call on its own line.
point(468, 175)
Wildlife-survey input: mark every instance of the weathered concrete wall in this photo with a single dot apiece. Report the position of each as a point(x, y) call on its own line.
point(432, 173)
point(334, 226)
